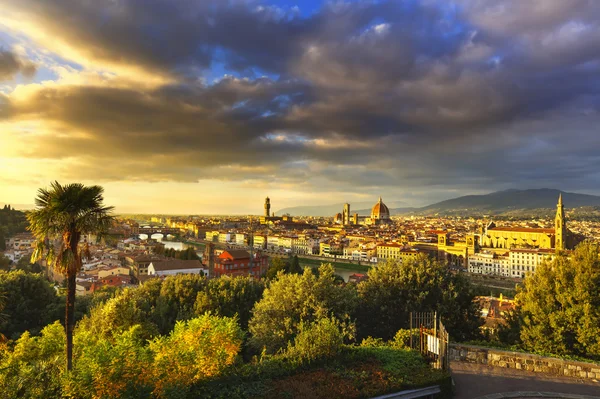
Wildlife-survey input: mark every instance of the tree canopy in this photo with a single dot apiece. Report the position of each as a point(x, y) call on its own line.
point(560, 304)
point(395, 289)
point(293, 299)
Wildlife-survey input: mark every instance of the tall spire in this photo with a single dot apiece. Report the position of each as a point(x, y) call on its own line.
point(560, 230)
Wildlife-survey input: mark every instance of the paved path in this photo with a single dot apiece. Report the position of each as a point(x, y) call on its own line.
point(477, 381)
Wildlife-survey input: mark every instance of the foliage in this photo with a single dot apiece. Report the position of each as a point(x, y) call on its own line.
point(28, 267)
point(32, 369)
point(290, 265)
point(65, 214)
point(395, 289)
point(560, 305)
point(321, 339)
point(509, 333)
point(159, 304)
point(110, 366)
point(176, 300)
point(292, 299)
point(200, 348)
point(355, 372)
point(402, 338)
point(29, 303)
point(186, 254)
point(117, 315)
point(5, 263)
point(230, 297)
point(11, 223)
point(121, 364)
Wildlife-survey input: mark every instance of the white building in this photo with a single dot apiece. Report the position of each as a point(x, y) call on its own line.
point(489, 263)
point(240, 239)
point(225, 237)
point(272, 242)
point(523, 261)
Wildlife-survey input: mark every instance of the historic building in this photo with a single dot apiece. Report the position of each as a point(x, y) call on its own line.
point(240, 263)
point(524, 237)
point(269, 217)
point(380, 214)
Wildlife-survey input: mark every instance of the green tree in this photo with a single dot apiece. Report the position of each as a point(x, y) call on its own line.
point(320, 339)
point(31, 368)
point(29, 301)
point(28, 267)
point(295, 265)
point(276, 264)
point(4, 263)
point(65, 213)
point(230, 297)
point(560, 304)
point(196, 350)
point(395, 289)
point(292, 299)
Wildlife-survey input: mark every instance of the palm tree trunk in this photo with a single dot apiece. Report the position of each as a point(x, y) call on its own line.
point(69, 317)
point(72, 271)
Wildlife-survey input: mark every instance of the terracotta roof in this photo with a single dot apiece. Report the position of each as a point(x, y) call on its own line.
point(237, 253)
point(523, 230)
point(391, 244)
point(176, 264)
point(380, 209)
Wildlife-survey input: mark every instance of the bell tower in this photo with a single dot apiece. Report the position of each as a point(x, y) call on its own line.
point(267, 207)
point(560, 230)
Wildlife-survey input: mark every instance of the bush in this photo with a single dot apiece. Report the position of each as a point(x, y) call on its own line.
point(200, 348)
point(32, 369)
point(293, 299)
point(322, 339)
point(402, 338)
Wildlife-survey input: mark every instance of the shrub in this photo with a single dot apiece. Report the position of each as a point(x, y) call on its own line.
point(195, 350)
point(33, 367)
point(322, 339)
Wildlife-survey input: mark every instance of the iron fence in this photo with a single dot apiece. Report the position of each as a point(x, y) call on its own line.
point(430, 337)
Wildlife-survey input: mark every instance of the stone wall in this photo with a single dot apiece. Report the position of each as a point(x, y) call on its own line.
point(523, 361)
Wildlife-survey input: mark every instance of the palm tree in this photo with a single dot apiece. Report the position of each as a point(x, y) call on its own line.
point(64, 214)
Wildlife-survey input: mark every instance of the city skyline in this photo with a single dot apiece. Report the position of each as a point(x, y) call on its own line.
point(206, 107)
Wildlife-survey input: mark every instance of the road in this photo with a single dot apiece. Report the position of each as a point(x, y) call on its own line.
point(477, 381)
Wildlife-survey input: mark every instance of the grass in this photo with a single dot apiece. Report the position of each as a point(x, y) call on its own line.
point(357, 372)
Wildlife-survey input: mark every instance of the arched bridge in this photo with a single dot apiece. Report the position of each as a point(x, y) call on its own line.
point(149, 230)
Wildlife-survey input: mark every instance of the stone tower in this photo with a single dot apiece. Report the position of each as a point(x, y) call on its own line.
point(267, 207)
point(209, 258)
point(346, 215)
point(560, 230)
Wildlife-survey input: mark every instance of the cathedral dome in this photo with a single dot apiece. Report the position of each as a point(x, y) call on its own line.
point(380, 211)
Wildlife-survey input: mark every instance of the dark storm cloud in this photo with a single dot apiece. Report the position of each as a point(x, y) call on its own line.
point(372, 94)
point(11, 64)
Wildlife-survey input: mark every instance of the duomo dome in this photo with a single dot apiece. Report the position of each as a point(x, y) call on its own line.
point(380, 211)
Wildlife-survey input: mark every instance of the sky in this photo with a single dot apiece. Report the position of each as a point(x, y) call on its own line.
point(208, 106)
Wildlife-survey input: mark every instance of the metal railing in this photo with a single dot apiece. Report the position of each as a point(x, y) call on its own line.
point(430, 337)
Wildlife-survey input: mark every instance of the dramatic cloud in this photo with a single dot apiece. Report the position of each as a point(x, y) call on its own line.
point(11, 64)
point(430, 96)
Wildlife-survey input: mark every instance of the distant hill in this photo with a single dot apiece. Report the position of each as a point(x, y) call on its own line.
point(509, 201)
point(363, 208)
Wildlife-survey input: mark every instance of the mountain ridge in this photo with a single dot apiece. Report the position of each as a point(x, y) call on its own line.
point(496, 202)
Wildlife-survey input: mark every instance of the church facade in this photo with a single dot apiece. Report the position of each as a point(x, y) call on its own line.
point(521, 237)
